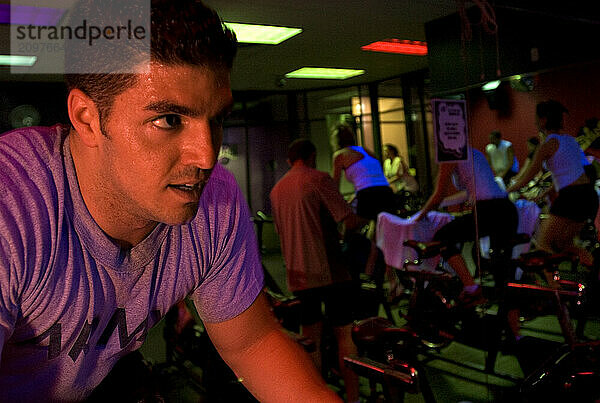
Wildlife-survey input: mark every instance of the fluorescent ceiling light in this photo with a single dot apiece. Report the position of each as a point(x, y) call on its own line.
point(14, 60)
point(401, 46)
point(492, 85)
point(265, 34)
point(325, 73)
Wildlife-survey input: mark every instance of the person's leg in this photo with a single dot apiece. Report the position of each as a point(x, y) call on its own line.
point(557, 234)
point(346, 347)
point(314, 331)
point(568, 213)
point(459, 230)
point(341, 307)
point(459, 265)
point(311, 320)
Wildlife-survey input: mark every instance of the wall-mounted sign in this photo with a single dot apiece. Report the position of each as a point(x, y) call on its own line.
point(450, 128)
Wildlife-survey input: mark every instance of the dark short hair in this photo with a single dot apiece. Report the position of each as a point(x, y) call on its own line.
point(392, 147)
point(182, 32)
point(301, 149)
point(496, 134)
point(553, 112)
point(344, 135)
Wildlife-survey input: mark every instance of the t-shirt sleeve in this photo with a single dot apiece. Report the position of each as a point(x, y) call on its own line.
point(333, 199)
point(233, 275)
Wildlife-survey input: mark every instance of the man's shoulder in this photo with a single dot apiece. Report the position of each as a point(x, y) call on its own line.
point(32, 155)
point(221, 189)
point(31, 181)
point(303, 175)
point(221, 176)
point(36, 138)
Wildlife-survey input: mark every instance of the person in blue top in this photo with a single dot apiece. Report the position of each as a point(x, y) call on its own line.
point(495, 215)
point(577, 201)
point(364, 171)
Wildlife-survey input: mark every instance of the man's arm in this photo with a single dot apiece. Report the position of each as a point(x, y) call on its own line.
point(510, 156)
point(273, 367)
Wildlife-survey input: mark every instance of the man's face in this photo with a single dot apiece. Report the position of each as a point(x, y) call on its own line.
point(161, 143)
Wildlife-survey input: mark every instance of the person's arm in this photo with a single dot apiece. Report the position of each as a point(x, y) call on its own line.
point(454, 199)
point(354, 222)
point(488, 157)
point(273, 366)
point(543, 152)
point(510, 155)
point(337, 168)
point(441, 190)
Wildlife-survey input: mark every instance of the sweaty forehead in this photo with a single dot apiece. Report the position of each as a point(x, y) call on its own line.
point(191, 86)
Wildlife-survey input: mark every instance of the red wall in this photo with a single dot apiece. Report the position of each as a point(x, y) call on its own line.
point(576, 87)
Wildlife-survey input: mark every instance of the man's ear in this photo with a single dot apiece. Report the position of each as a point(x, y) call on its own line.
point(84, 117)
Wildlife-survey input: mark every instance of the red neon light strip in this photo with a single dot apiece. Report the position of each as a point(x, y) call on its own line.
point(404, 47)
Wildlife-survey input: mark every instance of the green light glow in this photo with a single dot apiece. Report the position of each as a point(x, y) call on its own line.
point(14, 60)
point(492, 85)
point(265, 34)
point(324, 73)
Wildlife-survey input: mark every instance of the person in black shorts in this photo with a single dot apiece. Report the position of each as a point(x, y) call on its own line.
point(577, 200)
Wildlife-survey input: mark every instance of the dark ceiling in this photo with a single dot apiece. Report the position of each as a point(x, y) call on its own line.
point(333, 33)
point(335, 30)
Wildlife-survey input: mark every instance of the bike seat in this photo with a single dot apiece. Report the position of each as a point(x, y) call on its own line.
point(426, 249)
point(379, 331)
point(539, 259)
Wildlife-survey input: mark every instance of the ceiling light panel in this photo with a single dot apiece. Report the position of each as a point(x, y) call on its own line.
point(264, 34)
point(14, 60)
point(324, 73)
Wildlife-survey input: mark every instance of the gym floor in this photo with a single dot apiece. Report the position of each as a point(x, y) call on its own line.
point(452, 371)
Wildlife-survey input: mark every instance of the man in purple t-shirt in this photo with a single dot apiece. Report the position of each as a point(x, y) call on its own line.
point(105, 225)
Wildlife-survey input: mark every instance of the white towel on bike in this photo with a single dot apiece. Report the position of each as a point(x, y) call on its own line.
point(392, 231)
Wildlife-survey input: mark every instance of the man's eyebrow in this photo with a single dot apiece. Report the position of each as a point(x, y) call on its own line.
point(171, 107)
point(165, 107)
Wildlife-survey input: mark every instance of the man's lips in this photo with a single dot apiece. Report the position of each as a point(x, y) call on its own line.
point(189, 191)
point(187, 186)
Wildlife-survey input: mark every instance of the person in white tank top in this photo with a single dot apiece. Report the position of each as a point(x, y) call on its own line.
point(577, 200)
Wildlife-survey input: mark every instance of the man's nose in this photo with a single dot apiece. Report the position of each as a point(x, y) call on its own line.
point(199, 146)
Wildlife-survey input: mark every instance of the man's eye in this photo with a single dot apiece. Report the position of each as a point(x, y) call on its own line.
point(167, 122)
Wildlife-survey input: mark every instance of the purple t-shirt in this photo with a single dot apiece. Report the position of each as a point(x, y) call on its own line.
point(71, 301)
